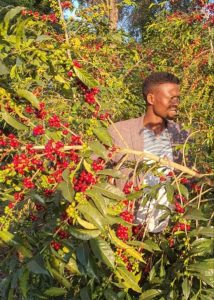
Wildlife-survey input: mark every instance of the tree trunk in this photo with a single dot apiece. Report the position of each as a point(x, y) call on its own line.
point(113, 13)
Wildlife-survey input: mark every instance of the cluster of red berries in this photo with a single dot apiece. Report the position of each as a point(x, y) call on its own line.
point(104, 117)
point(120, 253)
point(56, 245)
point(62, 233)
point(181, 198)
point(53, 148)
point(39, 207)
point(98, 164)
point(28, 183)
point(20, 162)
point(64, 217)
point(127, 203)
point(37, 16)
point(66, 4)
point(122, 233)
point(37, 164)
point(84, 180)
point(138, 231)
point(77, 64)
point(179, 208)
point(10, 140)
point(127, 216)
point(181, 227)
point(13, 142)
point(39, 113)
point(90, 95)
point(54, 122)
point(38, 130)
point(128, 187)
point(33, 217)
point(195, 187)
point(184, 180)
point(18, 196)
point(75, 140)
point(48, 192)
point(56, 176)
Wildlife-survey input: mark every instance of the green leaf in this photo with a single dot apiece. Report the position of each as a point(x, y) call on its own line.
point(55, 292)
point(28, 96)
point(103, 251)
point(23, 282)
point(72, 266)
point(37, 197)
point(3, 69)
point(186, 288)
point(150, 294)
point(25, 251)
point(130, 250)
point(203, 270)
point(98, 200)
point(151, 245)
point(7, 237)
point(183, 189)
point(92, 215)
point(194, 214)
point(10, 15)
point(61, 279)
point(129, 279)
point(111, 295)
point(66, 189)
point(109, 191)
point(59, 79)
point(84, 234)
point(13, 122)
point(85, 294)
point(98, 149)
point(86, 78)
point(169, 192)
point(87, 166)
point(110, 172)
point(103, 135)
point(36, 265)
point(43, 37)
point(202, 246)
point(204, 231)
point(135, 195)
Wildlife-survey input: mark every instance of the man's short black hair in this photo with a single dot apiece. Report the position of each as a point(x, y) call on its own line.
point(156, 79)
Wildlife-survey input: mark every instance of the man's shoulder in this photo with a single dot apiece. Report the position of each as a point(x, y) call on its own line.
point(126, 124)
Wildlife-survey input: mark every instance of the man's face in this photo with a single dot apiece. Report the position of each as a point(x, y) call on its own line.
point(164, 99)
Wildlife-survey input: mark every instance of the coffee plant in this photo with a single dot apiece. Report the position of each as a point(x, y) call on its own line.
point(66, 230)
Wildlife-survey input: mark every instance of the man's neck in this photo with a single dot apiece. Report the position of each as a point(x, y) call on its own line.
point(154, 123)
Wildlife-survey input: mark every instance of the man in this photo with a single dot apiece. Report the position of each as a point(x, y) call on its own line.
point(154, 132)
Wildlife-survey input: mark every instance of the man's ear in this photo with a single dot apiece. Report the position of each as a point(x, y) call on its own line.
point(150, 99)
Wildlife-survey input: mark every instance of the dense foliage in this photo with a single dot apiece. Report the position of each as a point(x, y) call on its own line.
point(66, 231)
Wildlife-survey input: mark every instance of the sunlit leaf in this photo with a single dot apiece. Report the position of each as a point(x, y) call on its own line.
point(103, 135)
point(103, 251)
point(85, 77)
point(150, 294)
point(13, 122)
point(55, 292)
point(28, 96)
point(84, 234)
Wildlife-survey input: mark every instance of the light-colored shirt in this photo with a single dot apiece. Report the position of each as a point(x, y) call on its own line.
point(149, 214)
